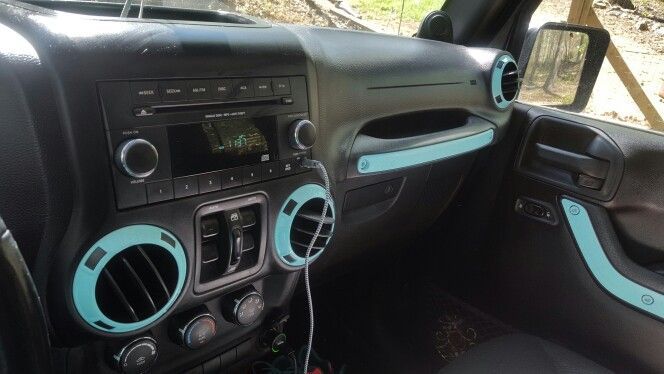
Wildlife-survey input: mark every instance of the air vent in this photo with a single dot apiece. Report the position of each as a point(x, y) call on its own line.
point(297, 223)
point(129, 279)
point(504, 81)
point(510, 81)
point(136, 283)
point(305, 224)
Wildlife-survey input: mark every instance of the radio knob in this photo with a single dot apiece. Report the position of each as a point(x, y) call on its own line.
point(302, 134)
point(137, 158)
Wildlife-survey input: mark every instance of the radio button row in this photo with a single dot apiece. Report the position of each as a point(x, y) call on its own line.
point(270, 170)
point(209, 182)
point(243, 88)
point(184, 187)
point(144, 92)
point(251, 174)
point(288, 167)
point(173, 90)
point(160, 191)
point(231, 178)
point(281, 86)
point(263, 87)
point(198, 90)
point(222, 88)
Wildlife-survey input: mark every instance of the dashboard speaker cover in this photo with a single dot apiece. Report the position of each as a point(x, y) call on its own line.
point(297, 222)
point(129, 279)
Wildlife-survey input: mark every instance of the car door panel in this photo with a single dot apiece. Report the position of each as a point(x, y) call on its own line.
point(603, 301)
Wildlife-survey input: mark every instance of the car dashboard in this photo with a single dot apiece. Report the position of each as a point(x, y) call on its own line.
point(169, 210)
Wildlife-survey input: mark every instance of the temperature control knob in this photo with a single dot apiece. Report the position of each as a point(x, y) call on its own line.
point(198, 331)
point(137, 356)
point(136, 158)
point(245, 308)
point(302, 134)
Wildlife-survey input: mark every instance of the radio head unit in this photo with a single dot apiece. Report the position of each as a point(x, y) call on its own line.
point(164, 149)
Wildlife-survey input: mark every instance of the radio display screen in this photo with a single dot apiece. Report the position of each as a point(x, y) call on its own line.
point(216, 145)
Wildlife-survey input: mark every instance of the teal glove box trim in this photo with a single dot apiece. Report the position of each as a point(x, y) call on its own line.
point(496, 81)
point(284, 224)
point(421, 155)
point(606, 275)
point(85, 279)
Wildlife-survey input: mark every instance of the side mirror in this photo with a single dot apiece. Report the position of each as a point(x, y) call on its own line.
point(560, 64)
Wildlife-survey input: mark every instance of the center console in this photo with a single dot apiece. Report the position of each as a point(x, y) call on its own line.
point(211, 274)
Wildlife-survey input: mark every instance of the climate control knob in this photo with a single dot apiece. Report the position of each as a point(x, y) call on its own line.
point(302, 134)
point(136, 158)
point(245, 308)
point(137, 356)
point(198, 331)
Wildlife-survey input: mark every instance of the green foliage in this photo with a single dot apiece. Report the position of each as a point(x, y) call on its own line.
point(413, 10)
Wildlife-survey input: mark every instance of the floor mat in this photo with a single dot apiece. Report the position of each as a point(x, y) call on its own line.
point(392, 326)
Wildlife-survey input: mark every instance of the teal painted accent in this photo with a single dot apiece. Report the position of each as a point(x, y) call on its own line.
point(284, 223)
point(416, 156)
point(496, 81)
point(85, 279)
point(606, 275)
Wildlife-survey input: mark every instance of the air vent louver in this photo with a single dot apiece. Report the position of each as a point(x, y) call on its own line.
point(136, 283)
point(129, 279)
point(297, 222)
point(504, 81)
point(509, 81)
point(305, 225)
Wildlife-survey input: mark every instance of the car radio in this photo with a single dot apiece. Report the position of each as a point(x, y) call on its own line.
point(171, 139)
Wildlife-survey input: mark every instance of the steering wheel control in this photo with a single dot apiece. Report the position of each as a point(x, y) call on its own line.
point(136, 357)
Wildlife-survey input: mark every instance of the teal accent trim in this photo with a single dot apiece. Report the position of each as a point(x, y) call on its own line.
point(284, 224)
point(416, 156)
point(85, 279)
point(496, 81)
point(601, 268)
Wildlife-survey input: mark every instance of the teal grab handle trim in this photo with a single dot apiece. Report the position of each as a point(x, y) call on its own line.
point(416, 156)
point(601, 268)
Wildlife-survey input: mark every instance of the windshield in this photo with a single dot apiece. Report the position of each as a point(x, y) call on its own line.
point(398, 17)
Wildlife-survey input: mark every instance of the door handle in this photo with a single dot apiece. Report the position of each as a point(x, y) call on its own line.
point(571, 161)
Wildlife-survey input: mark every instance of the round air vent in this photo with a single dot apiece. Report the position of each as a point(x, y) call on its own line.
point(129, 278)
point(297, 223)
point(504, 81)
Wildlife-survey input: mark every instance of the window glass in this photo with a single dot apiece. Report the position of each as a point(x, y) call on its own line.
point(399, 17)
point(638, 34)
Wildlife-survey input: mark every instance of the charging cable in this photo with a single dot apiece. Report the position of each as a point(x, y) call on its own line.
point(314, 164)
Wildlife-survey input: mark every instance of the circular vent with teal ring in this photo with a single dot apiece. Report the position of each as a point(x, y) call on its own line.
point(129, 278)
point(297, 222)
point(504, 81)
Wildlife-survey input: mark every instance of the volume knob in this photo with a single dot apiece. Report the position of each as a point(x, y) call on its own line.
point(136, 158)
point(302, 134)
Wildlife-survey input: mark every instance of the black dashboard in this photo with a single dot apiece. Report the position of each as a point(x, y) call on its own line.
point(153, 179)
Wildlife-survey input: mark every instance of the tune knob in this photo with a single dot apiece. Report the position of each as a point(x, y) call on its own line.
point(245, 308)
point(137, 158)
point(302, 134)
point(137, 356)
